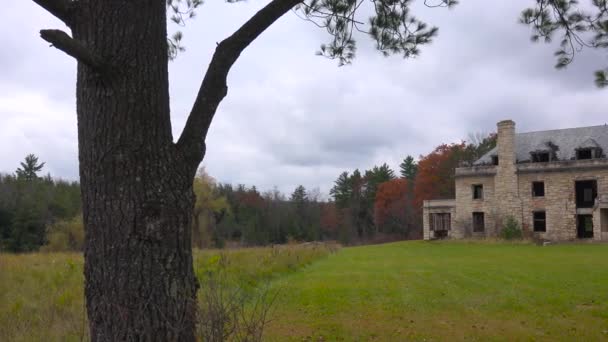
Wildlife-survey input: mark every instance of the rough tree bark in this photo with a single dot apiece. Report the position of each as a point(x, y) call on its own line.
point(136, 182)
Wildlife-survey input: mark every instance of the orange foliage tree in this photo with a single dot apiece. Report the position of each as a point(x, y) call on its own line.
point(435, 178)
point(329, 221)
point(393, 210)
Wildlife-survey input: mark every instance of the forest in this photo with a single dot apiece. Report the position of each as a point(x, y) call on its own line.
point(374, 205)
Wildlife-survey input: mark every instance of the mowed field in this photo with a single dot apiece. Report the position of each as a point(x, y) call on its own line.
point(421, 291)
point(448, 291)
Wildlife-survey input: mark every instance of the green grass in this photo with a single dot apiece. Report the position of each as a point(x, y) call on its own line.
point(42, 296)
point(417, 291)
point(448, 291)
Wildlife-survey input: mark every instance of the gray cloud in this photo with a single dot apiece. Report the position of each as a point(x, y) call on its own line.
point(294, 118)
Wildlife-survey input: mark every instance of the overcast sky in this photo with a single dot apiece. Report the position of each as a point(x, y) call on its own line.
point(291, 117)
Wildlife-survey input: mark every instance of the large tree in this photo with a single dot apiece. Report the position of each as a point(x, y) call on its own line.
point(136, 181)
point(578, 26)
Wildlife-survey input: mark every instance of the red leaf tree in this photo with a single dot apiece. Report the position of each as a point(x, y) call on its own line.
point(435, 178)
point(393, 207)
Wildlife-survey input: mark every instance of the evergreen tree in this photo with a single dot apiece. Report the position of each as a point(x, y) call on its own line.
point(299, 196)
point(29, 168)
point(299, 222)
point(342, 190)
point(408, 168)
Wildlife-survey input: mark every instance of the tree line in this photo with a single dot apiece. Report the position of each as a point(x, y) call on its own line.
point(374, 205)
point(31, 205)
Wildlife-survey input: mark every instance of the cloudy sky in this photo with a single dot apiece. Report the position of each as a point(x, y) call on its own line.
point(291, 117)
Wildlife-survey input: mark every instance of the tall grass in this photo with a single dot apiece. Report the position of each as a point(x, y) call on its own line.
point(42, 296)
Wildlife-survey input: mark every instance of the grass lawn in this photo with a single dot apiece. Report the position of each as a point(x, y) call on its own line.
point(421, 291)
point(42, 295)
point(447, 291)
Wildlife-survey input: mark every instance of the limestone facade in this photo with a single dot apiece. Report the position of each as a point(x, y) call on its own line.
point(509, 190)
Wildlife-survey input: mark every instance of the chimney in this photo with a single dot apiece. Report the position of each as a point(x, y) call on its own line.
point(506, 142)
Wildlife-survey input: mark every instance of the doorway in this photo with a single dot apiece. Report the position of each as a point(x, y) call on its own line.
point(604, 220)
point(584, 226)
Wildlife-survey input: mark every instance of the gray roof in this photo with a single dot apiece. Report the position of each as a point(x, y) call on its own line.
point(567, 141)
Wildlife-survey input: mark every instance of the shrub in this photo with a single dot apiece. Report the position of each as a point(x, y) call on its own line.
point(65, 235)
point(511, 229)
point(232, 311)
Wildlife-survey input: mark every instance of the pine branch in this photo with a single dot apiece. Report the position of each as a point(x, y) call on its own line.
point(58, 8)
point(214, 88)
point(72, 47)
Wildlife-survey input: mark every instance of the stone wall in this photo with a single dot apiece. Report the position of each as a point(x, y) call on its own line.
point(466, 205)
point(507, 190)
point(438, 206)
point(559, 202)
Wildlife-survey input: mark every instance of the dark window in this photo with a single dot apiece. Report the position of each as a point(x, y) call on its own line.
point(494, 160)
point(540, 221)
point(439, 221)
point(478, 191)
point(586, 192)
point(538, 189)
point(540, 157)
point(478, 222)
point(584, 153)
point(585, 226)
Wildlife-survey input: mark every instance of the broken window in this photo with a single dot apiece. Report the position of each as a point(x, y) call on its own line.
point(478, 222)
point(439, 222)
point(478, 191)
point(540, 221)
point(584, 153)
point(494, 160)
point(586, 193)
point(540, 157)
point(538, 189)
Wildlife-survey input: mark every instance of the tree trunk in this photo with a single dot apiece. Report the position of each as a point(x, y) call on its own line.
point(136, 185)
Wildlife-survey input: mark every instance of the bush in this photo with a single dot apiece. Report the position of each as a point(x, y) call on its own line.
point(231, 311)
point(65, 235)
point(511, 229)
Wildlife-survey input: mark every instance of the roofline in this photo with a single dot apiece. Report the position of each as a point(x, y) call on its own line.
point(562, 129)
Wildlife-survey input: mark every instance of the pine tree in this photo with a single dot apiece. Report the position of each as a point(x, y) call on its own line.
point(29, 168)
point(408, 168)
point(342, 190)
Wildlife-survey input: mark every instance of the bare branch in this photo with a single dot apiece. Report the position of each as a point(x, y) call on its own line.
point(72, 47)
point(214, 88)
point(58, 8)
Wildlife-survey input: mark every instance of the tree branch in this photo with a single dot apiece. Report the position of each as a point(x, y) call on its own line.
point(72, 47)
point(58, 8)
point(214, 88)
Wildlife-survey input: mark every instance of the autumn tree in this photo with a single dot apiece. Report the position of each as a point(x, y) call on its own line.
point(393, 209)
point(435, 178)
point(209, 209)
point(329, 221)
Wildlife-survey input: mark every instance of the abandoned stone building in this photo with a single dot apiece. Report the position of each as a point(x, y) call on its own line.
point(553, 183)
